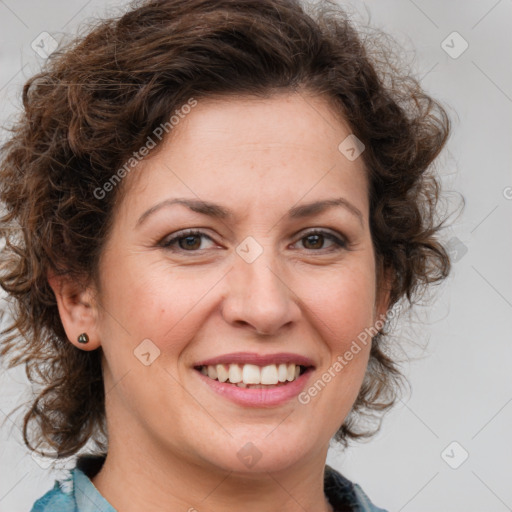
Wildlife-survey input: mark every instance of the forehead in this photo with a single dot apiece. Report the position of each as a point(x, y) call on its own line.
point(251, 150)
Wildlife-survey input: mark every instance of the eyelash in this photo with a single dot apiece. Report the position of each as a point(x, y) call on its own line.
point(339, 241)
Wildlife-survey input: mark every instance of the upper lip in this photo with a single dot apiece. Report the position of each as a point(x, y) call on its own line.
point(257, 359)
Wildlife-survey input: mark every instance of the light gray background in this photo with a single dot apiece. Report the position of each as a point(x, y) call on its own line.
point(461, 385)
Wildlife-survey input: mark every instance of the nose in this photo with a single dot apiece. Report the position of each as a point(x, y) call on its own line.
point(260, 297)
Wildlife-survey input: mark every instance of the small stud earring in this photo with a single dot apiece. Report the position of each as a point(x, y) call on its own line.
point(83, 338)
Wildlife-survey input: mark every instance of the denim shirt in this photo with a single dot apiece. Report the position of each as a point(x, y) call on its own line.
point(78, 494)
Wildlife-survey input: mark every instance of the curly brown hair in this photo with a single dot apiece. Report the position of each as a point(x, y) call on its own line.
point(98, 99)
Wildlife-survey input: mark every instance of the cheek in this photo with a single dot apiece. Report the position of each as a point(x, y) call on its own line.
point(343, 304)
point(158, 302)
point(342, 312)
point(342, 309)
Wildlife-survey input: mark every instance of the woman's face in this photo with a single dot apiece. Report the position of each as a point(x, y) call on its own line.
point(266, 274)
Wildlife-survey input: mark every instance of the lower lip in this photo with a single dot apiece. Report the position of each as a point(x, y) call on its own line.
point(258, 397)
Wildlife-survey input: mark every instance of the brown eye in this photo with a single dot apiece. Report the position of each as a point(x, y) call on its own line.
point(189, 241)
point(313, 241)
point(316, 240)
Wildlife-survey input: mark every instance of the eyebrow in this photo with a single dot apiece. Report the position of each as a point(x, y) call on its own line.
point(217, 211)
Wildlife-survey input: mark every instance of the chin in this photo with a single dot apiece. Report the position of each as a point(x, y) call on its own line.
point(261, 454)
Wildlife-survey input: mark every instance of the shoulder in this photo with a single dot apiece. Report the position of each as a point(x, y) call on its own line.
point(344, 495)
point(56, 500)
point(76, 493)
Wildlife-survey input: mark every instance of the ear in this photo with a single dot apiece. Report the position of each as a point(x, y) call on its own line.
point(77, 309)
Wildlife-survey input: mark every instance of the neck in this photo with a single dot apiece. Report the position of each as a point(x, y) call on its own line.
point(129, 481)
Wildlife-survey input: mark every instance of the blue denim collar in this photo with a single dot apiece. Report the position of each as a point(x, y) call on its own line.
point(87, 497)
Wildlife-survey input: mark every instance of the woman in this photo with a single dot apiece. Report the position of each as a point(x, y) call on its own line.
point(211, 210)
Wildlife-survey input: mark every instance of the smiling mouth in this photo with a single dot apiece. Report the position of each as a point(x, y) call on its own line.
point(254, 376)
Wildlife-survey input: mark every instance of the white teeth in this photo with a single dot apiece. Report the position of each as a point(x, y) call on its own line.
point(212, 372)
point(251, 374)
point(235, 374)
point(222, 373)
point(290, 374)
point(269, 374)
point(282, 372)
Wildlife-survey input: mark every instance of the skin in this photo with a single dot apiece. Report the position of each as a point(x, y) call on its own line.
point(173, 441)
